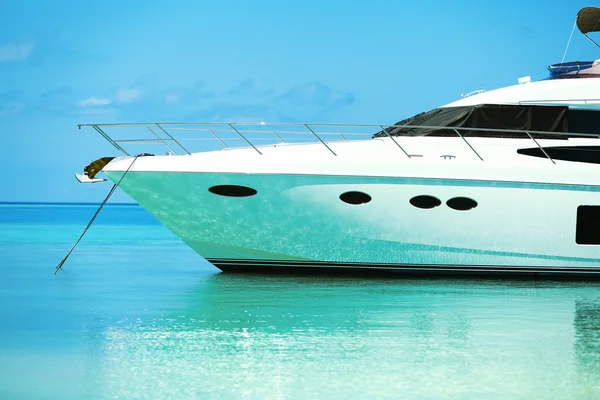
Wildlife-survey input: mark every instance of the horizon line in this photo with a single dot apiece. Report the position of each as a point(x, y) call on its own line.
point(64, 203)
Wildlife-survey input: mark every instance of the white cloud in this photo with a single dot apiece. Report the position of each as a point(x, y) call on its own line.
point(15, 52)
point(94, 101)
point(128, 95)
point(94, 111)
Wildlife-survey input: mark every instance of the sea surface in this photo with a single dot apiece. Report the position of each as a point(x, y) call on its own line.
point(135, 314)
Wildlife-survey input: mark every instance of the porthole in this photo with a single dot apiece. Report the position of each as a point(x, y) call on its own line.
point(355, 198)
point(232, 190)
point(425, 202)
point(461, 203)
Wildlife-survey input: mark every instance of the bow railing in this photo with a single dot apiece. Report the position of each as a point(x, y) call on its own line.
point(180, 138)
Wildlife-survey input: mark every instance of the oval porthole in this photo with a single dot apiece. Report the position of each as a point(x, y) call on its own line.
point(461, 203)
point(232, 190)
point(355, 198)
point(425, 202)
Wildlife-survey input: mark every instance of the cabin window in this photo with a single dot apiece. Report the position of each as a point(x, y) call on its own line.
point(584, 154)
point(355, 198)
point(461, 203)
point(232, 190)
point(425, 202)
point(588, 225)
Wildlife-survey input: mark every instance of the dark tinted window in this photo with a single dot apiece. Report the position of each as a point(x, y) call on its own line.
point(425, 202)
point(584, 154)
point(232, 190)
point(494, 116)
point(588, 225)
point(584, 121)
point(355, 198)
point(461, 203)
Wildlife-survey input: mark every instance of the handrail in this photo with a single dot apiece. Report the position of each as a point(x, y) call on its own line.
point(541, 148)
point(162, 141)
point(105, 136)
point(384, 130)
point(171, 137)
point(468, 144)
point(320, 140)
point(559, 101)
point(223, 132)
point(242, 136)
point(218, 138)
point(377, 126)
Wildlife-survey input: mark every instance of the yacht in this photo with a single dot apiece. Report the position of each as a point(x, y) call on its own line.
point(505, 181)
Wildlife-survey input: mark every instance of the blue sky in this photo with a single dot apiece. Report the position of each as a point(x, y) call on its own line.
point(68, 62)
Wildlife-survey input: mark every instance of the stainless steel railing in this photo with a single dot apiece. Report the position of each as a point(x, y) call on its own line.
point(171, 135)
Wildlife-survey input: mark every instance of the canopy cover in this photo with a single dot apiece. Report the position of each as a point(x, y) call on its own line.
point(588, 19)
point(506, 117)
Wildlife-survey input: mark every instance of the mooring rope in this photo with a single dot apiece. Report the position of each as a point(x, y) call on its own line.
point(112, 190)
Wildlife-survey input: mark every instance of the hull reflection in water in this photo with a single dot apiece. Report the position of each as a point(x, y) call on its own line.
point(587, 340)
point(271, 337)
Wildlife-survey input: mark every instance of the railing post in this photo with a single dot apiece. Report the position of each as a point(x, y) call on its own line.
point(541, 148)
point(397, 144)
point(162, 140)
point(173, 139)
point(320, 140)
point(279, 137)
point(105, 136)
point(218, 138)
point(243, 137)
point(465, 140)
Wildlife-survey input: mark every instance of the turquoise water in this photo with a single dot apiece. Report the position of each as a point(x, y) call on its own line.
point(136, 314)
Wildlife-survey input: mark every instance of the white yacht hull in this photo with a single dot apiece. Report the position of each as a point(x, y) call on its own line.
point(527, 154)
point(297, 221)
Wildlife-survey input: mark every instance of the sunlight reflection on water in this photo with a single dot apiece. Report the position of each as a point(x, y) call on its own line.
point(136, 314)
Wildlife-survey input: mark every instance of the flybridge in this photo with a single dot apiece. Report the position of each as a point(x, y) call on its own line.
point(587, 21)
